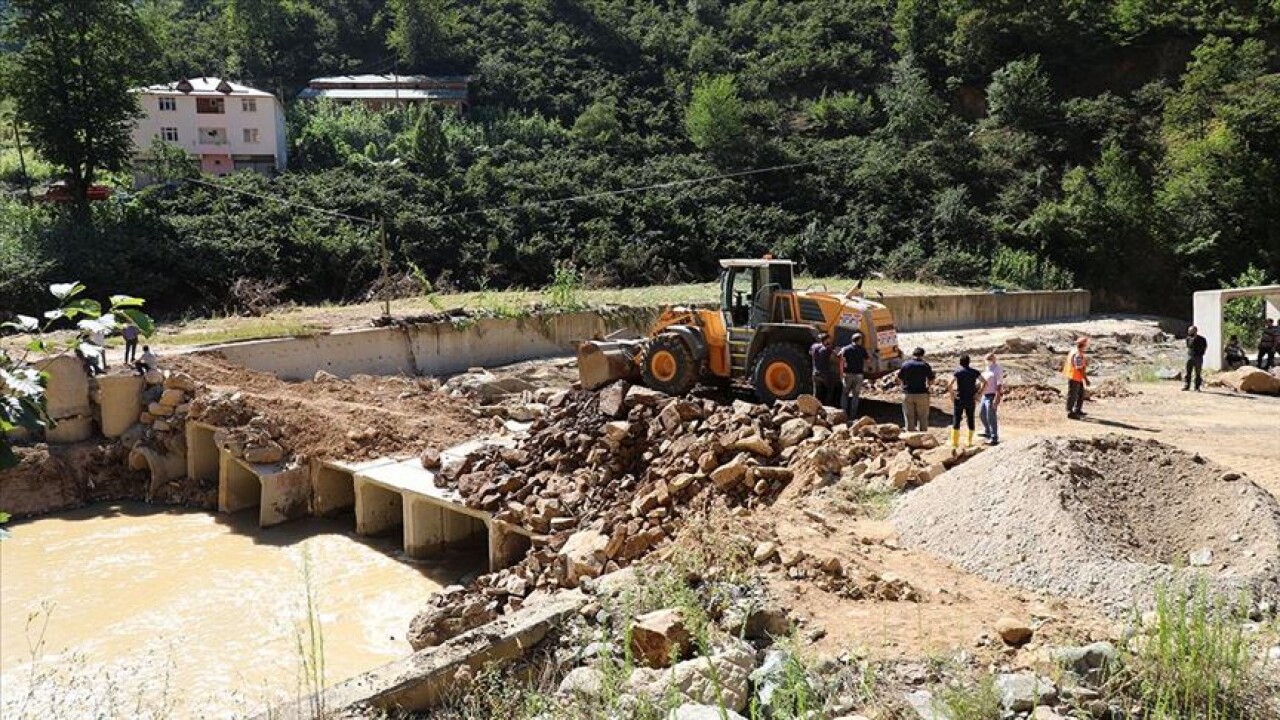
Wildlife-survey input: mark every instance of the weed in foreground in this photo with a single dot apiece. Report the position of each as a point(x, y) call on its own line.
point(1194, 659)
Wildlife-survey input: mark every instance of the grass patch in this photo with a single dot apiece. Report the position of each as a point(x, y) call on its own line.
point(228, 330)
point(1194, 659)
point(979, 701)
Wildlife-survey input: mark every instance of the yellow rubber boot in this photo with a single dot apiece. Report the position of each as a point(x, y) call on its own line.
point(955, 438)
point(970, 443)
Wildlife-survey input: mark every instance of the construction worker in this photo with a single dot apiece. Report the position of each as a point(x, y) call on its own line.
point(1197, 346)
point(915, 375)
point(853, 365)
point(1268, 343)
point(826, 377)
point(1076, 370)
point(130, 334)
point(963, 387)
point(992, 392)
point(147, 362)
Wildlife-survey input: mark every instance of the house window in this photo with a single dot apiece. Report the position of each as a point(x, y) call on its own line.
point(251, 135)
point(168, 104)
point(249, 105)
point(169, 134)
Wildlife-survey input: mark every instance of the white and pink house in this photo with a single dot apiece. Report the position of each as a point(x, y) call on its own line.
point(226, 126)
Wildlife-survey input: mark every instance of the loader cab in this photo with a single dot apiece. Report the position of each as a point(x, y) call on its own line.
point(748, 289)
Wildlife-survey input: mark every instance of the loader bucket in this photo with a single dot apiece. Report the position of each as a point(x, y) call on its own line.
point(600, 362)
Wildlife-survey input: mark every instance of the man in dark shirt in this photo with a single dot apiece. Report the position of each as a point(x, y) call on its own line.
point(853, 365)
point(826, 377)
point(1196, 348)
point(964, 393)
point(915, 375)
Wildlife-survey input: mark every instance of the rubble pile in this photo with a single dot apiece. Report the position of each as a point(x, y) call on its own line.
point(241, 431)
point(166, 401)
point(603, 478)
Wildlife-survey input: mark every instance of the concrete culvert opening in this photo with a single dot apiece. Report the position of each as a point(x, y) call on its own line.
point(334, 491)
point(202, 454)
point(239, 487)
point(437, 530)
point(1108, 519)
point(379, 511)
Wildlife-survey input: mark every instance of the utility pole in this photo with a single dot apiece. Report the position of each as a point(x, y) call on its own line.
point(22, 163)
point(386, 269)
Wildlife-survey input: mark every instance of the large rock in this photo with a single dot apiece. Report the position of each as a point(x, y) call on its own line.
point(730, 474)
point(1013, 632)
point(1021, 692)
point(660, 637)
point(793, 432)
point(1085, 658)
point(586, 682)
point(919, 440)
point(809, 405)
point(720, 680)
point(584, 555)
point(266, 454)
point(613, 399)
point(1251, 380)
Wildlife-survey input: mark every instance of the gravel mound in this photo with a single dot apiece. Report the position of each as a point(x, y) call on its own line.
point(1107, 519)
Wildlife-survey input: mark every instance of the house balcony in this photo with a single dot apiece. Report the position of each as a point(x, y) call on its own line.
point(213, 136)
point(211, 105)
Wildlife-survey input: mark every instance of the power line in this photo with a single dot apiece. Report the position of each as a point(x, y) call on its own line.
point(283, 201)
point(626, 191)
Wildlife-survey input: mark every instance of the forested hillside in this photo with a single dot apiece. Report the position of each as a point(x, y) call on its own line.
point(1128, 146)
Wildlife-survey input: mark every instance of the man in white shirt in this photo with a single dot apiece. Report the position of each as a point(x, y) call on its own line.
point(992, 391)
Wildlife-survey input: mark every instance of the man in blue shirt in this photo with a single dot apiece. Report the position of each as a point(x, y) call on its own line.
point(853, 365)
point(964, 393)
point(915, 375)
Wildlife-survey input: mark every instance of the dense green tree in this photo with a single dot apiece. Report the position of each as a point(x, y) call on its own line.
point(428, 148)
point(1019, 96)
point(714, 118)
point(599, 122)
point(422, 32)
point(70, 76)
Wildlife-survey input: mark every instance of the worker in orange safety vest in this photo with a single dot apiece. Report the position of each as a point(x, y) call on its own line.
point(1076, 370)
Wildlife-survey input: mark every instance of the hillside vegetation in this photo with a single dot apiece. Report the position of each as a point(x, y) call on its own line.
point(1127, 146)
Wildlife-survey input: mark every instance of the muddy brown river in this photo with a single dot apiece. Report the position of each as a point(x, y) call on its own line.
point(134, 611)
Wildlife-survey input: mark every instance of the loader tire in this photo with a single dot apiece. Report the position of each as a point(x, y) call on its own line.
point(668, 366)
point(782, 372)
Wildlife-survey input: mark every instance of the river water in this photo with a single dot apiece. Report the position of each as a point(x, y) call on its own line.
point(150, 612)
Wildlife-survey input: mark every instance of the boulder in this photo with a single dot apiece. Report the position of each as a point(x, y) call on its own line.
point(1020, 692)
point(660, 637)
point(266, 454)
point(919, 440)
point(322, 376)
point(728, 475)
point(754, 444)
point(765, 551)
point(180, 381)
point(809, 405)
point(1250, 380)
point(1013, 632)
point(1085, 658)
point(719, 680)
point(430, 459)
point(586, 682)
point(584, 555)
point(153, 377)
point(793, 432)
point(613, 399)
point(160, 410)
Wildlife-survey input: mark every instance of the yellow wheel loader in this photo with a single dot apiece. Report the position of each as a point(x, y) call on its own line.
point(758, 336)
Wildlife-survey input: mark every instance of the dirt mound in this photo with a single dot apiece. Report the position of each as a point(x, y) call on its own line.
point(49, 478)
point(1107, 519)
point(328, 417)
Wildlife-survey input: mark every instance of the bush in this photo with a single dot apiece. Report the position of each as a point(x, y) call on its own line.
point(1023, 270)
point(1194, 659)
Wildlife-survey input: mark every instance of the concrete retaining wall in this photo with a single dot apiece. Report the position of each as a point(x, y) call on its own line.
point(447, 348)
point(916, 313)
point(430, 349)
point(422, 680)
